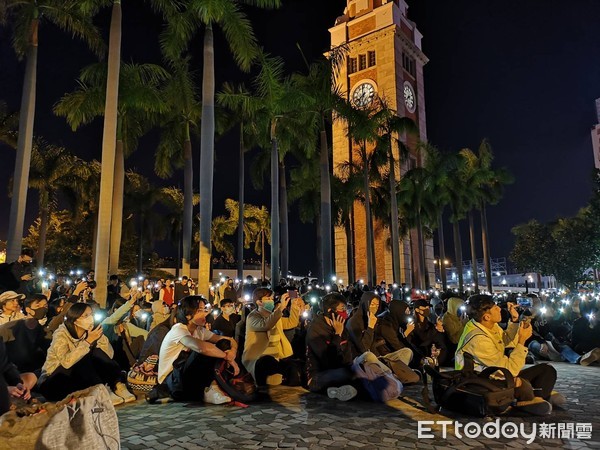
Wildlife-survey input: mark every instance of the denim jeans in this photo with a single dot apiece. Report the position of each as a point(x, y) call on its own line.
point(566, 353)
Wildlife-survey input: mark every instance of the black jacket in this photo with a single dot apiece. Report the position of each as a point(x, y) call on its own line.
point(325, 350)
point(361, 336)
point(388, 329)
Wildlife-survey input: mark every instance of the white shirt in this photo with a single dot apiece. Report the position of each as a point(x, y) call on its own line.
point(171, 347)
point(9, 318)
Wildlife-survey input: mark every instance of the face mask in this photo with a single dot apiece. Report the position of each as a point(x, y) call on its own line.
point(425, 313)
point(342, 314)
point(228, 309)
point(40, 313)
point(86, 323)
point(200, 321)
point(269, 305)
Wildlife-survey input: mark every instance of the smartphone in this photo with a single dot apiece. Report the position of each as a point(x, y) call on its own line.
point(293, 294)
point(524, 302)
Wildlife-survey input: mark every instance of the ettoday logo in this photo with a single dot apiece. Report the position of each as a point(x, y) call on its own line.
point(507, 430)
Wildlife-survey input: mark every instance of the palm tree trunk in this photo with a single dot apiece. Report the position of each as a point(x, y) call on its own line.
point(369, 228)
point(141, 245)
point(188, 203)
point(326, 245)
point(263, 268)
point(44, 215)
point(486, 248)
point(240, 235)
point(109, 138)
point(274, 208)
point(423, 279)
point(18, 203)
point(116, 224)
point(442, 251)
point(349, 251)
point(474, 268)
point(320, 270)
point(283, 221)
point(394, 220)
point(458, 254)
point(179, 245)
point(207, 143)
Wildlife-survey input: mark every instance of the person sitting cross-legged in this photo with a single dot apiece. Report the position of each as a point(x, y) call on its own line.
point(483, 338)
point(79, 357)
point(188, 355)
point(328, 351)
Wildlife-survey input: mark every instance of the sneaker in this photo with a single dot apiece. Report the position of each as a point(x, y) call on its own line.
point(158, 394)
point(556, 399)
point(342, 393)
point(121, 391)
point(115, 399)
point(215, 396)
point(590, 357)
point(538, 406)
point(274, 380)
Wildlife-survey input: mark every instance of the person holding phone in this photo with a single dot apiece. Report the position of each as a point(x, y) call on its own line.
point(266, 348)
point(328, 351)
point(79, 357)
point(484, 339)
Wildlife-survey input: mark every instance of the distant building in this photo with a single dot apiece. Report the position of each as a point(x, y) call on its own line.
point(596, 136)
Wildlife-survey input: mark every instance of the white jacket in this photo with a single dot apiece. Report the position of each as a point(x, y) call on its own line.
point(66, 351)
point(487, 347)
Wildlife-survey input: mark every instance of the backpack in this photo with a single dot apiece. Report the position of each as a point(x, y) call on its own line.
point(240, 388)
point(468, 392)
point(377, 378)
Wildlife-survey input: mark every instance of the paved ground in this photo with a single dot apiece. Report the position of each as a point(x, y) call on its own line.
point(296, 419)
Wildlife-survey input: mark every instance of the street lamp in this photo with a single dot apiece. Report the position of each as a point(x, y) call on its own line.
point(438, 262)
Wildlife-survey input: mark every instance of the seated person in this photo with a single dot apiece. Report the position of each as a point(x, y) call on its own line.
point(425, 338)
point(585, 336)
point(10, 308)
point(160, 313)
point(392, 344)
point(55, 307)
point(454, 321)
point(487, 342)
point(543, 344)
point(328, 352)
point(361, 325)
point(188, 355)
point(267, 350)
point(25, 339)
point(225, 323)
point(79, 357)
point(12, 383)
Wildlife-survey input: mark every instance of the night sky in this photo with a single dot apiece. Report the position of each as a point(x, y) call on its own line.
point(524, 74)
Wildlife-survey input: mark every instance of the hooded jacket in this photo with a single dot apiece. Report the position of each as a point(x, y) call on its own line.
point(361, 336)
point(388, 328)
point(326, 350)
point(453, 325)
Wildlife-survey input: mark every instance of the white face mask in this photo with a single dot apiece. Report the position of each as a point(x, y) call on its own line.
point(228, 310)
point(86, 323)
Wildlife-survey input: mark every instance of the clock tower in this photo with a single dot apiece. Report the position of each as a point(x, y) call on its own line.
point(383, 59)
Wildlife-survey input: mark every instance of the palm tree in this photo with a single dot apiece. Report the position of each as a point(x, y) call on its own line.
point(140, 101)
point(26, 17)
point(362, 129)
point(258, 221)
point(322, 98)
point(175, 146)
point(242, 110)
point(184, 18)
point(344, 192)
point(392, 129)
point(52, 168)
point(487, 186)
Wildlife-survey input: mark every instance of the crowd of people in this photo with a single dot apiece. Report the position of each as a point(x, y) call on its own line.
point(160, 338)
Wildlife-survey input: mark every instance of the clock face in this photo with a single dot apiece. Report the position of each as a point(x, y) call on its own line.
point(410, 99)
point(363, 95)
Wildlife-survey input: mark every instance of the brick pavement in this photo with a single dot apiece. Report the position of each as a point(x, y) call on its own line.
point(297, 419)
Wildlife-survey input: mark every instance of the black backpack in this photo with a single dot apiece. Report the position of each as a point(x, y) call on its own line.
point(468, 392)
